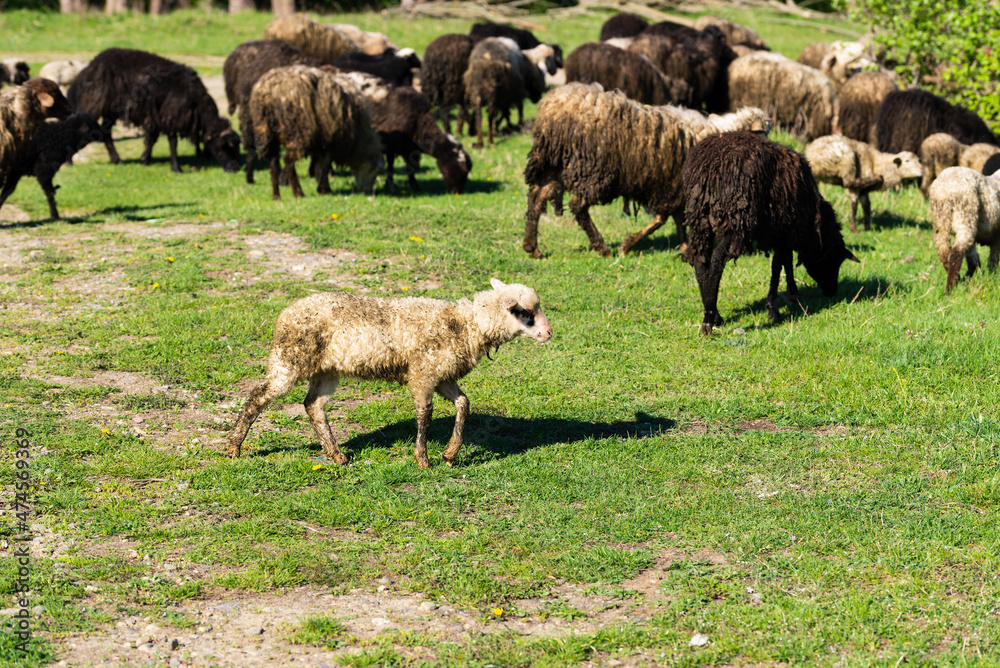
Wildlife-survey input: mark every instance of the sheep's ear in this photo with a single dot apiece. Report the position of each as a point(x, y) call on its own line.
point(898, 161)
point(497, 284)
point(45, 99)
point(848, 255)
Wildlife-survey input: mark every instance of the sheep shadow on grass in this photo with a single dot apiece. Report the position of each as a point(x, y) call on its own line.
point(492, 437)
point(813, 300)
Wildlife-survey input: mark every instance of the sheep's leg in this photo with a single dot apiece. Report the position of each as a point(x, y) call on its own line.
point(709, 275)
point(390, 160)
point(109, 143)
point(423, 401)
point(175, 164)
point(453, 393)
point(972, 261)
point(275, 175)
point(443, 115)
point(463, 117)
point(8, 188)
point(581, 212)
point(477, 118)
point(293, 176)
point(492, 118)
point(782, 259)
point(321, 387)
point(634, 238)
point(251, 150)
point(45, 181)
point(537, 196)
point(853, 197)
point(866, 206)
point(149, 140)
point(994, 256)
point(321, 167)
point(279, 380)
point(412, 164)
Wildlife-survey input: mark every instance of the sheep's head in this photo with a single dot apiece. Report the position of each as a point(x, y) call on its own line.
point(824, 266)
point(907, 165)
point(224, 145)
point(509, 311)
point(365, 172)
point(455, 165)
point(47, 97)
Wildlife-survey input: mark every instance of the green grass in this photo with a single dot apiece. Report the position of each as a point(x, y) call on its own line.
point(841, 463)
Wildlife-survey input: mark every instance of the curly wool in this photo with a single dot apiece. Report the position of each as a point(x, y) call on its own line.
point(317, 40)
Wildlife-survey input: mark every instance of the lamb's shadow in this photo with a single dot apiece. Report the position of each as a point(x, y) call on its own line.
point(496, 437)
point(473, 186)
point(887, 219)
point(813, 301)
point(131, 212)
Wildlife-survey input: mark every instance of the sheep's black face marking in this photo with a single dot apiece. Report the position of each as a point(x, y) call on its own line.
point(526, 317)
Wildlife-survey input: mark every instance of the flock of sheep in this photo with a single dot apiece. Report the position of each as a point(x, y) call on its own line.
point(670, 118)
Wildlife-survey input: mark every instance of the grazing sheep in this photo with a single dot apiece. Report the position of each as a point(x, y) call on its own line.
point(53, 145)
point(701, 59)
point(742, 192)
point(402, 118)
point(992, 165)
point(396, 67)
point(736, 34)
point(796, 95)
point(425, 344)
point(677, 63)
point(907, 117)
point(524, 39)
point(601, 146)
point(623, 24)
point(63, 72)
point(966, 204)
point(940, 151)
point(631, 73)
point(445, 62)
point(315, 39)
point(14, 71)
point(500, 76)
point(859, 168)
point(309, 112)
point(22, 109)
point(157, 95)
point(860, 97)
point(247, 63)
point(372, 43)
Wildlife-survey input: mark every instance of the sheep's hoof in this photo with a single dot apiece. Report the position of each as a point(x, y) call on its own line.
point(423, 463)
point(341, 458)
point(706, 328)
point(535, 253)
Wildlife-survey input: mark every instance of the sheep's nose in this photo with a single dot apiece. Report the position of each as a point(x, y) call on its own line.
point(543, 330)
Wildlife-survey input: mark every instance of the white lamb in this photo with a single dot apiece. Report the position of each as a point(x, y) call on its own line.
point(966, 204)
point(425, 344)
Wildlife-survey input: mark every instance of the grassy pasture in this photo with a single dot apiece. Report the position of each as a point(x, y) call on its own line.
point(821, 491)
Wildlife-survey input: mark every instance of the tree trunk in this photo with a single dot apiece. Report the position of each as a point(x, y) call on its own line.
point(114, 6)
point(237, 6)
point(72, 6)
point(283, 7)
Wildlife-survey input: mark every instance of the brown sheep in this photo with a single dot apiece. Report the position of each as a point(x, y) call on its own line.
point(859, 168)
point(425, 344)
point(309, 112)
point(500, 76)
point(444, 65)
point(860, 97)
point(736, 34)
point(315, 39)
point(940, 151)
point(797, 96)
point(631, 73)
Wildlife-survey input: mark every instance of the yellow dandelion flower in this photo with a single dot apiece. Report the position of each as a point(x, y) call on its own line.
point(405, 288)
point(498, 611)
point(105, 431)
point(108, 174)
point(317, 467)
point(59, 352)
point(156, 285)
point(415, 239)
point(422, 257)
point(352, 210)
point(201, 215)
point(489, 178)
point(334, 216)
point(170, 258)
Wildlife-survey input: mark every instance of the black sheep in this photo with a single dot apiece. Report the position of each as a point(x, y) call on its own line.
point(157, 95)
point(741, 192)
point(631, 73)
point(401, 115)
point(907, 117)
point(623, 24)
point(52, 145)
point(396, 67)
point(445, 62)
point(700, 57)
point(247, 63)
